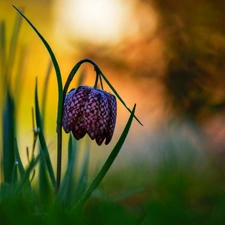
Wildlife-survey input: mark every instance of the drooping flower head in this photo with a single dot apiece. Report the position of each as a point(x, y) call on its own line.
point(92, 111)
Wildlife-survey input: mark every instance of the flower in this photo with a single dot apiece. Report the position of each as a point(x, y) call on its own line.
point(92, 111)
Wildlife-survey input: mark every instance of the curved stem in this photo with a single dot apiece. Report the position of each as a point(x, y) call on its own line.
point(59, 121)
point(96, 81)
point(74, 70)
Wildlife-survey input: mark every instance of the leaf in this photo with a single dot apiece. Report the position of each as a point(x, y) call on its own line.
point(82, 180)
point(8, 137)
point(13, 45)
point(45, 91)
point(45, 188)
point(18, 160)
point(66, 187)
point(106, 165)
point(55, 63)
point(43, 144)
point(26, 175)
point(3, 53)
point(24, 178)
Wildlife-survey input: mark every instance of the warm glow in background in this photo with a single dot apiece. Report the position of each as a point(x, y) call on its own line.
point(124, 38)
point(76, 30)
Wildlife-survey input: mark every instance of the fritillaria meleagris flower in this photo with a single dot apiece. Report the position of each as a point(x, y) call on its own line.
point(92, 111)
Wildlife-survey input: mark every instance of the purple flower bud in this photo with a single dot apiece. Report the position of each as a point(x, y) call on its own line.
point(92, 111)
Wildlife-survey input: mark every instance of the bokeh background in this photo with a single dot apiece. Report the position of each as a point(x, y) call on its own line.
point(164, 55)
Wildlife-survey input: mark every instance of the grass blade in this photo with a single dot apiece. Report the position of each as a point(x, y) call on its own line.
point(13, 45)
point(43, 144)
point(106, 165)
point(18, 160)
point(26, 175)
point(66, 187)
point(8, 137)
point(82, 180)
point(45, 91)
point(3, 56)
point(19, 79)
point(45, 188)
point(55, 64)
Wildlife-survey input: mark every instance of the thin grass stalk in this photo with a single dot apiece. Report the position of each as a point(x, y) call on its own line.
point(45, 91)
point(45, 189)
point(19, 80)
point(2, 85)
point(82, 179)
point(8, 137)
point(13, 47)
point(22, 173)
point(66, 187)
point(26, 175)
point(43, 144)
point(3, 55)
point(18, 160)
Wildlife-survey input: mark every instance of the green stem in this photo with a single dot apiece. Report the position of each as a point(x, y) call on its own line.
point(74, 70)
point(59, 158)
point(96, 81)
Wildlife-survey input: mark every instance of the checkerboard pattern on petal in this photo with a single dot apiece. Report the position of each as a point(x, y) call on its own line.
point(92, 111)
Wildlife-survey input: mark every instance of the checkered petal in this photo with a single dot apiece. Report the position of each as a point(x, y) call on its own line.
point(95, 113)
point(92, 111)
point(79, 131)
point(112, 108)
point(73, 107)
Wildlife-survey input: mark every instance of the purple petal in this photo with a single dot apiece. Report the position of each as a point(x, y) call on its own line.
point(111, 117)
point(99, 139)
point(79, 131)
point(91, 112)
point(73, 107)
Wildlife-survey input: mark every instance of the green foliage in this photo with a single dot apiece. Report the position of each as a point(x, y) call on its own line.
point(8, 137)
point(53, 201)
point(43, 145)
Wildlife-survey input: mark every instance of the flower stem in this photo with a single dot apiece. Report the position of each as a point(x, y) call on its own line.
point(59, 158)
point(96, 81)
point(59, 121)
point(74, 70)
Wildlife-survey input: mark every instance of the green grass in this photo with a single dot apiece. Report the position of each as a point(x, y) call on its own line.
point(56, 195)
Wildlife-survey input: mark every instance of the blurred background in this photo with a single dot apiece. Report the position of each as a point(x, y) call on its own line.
point(165, 56)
